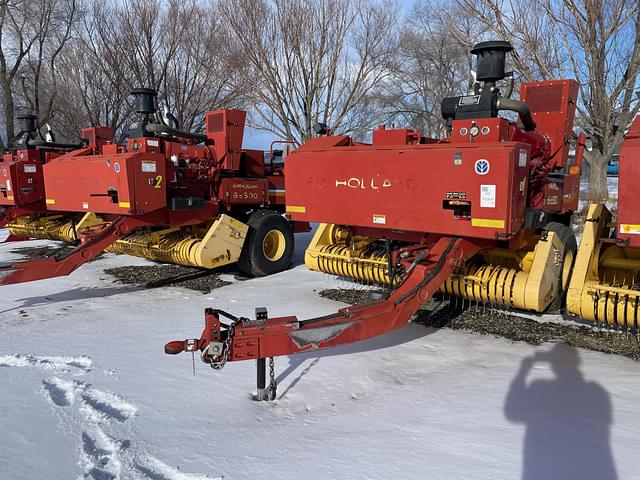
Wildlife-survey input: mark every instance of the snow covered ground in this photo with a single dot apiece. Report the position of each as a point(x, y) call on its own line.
point(86, 392)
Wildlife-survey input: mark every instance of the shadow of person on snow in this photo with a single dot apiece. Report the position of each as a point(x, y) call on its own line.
point(567, 420)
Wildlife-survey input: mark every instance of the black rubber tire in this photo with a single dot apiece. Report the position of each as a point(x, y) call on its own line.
point(253, 261)
point(568, 238)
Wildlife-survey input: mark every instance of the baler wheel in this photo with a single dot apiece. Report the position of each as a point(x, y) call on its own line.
point(274, 245)
point(268, 247)
point(568, 239)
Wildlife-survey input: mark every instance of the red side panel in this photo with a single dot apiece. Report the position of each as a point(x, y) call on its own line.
point(121, 184)
point(468, 190)
point(570, 193)
point(553, 106)
point(486, 130)
point(253, 163)
point(276, 190)
point(398, 136)
point(628, 211)
point(21, 182)
point(226, 129)
point(98, 137)
point(7, 195)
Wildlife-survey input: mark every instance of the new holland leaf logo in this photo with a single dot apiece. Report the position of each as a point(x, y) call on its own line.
point(482, 166)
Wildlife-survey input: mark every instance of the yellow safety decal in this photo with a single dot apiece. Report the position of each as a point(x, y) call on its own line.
point(124, 204)
point(632, 228)
point(50, 201)
point(236, 223)
point(487, 223)
point(10, 197)
point(296, 209)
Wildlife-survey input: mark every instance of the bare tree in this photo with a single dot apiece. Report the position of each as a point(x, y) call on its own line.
point(597, 42)
point(208, 70)
point(316, 61)
point(32, 36)
point(38, 78)
point(95, 82)
point(118, 47)
point(431, 65)
point(181, 49)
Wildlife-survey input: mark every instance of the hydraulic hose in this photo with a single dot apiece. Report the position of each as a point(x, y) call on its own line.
point(42, 144)
point(164, 129)
point(519, 107)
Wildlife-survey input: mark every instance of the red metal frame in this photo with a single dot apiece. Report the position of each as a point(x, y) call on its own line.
point(92, 244)
point(428, 267)
point(152, 171)
point(404, 182)
point(22, 176)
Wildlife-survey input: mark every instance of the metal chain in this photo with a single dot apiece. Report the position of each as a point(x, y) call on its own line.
point(226, 347)
point(273, 385)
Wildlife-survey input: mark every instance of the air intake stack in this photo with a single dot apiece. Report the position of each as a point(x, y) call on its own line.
point(145, 105)
point(145, 99)
point(28, 130)
point(491, 58)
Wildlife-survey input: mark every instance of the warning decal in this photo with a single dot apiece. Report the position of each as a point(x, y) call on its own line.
point(522, 158)
point(148, 166)
point(380, 219)
point(487, 196)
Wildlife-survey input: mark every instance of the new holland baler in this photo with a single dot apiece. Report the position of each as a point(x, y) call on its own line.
point(22, 192)
point(171, 196)
point(483, 214)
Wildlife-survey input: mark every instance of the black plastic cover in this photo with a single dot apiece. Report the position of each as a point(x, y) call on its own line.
point(491, 60)
point(27, 122)
point(145, 100)
point(483, 105)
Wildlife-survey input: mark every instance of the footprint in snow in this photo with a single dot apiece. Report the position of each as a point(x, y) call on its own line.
point(60, 363)
point(109, 405)
point(61, 392)
point(99, 452)
point(100, 455)
point(96, 404)
point(93, 411)
point(154, 469)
